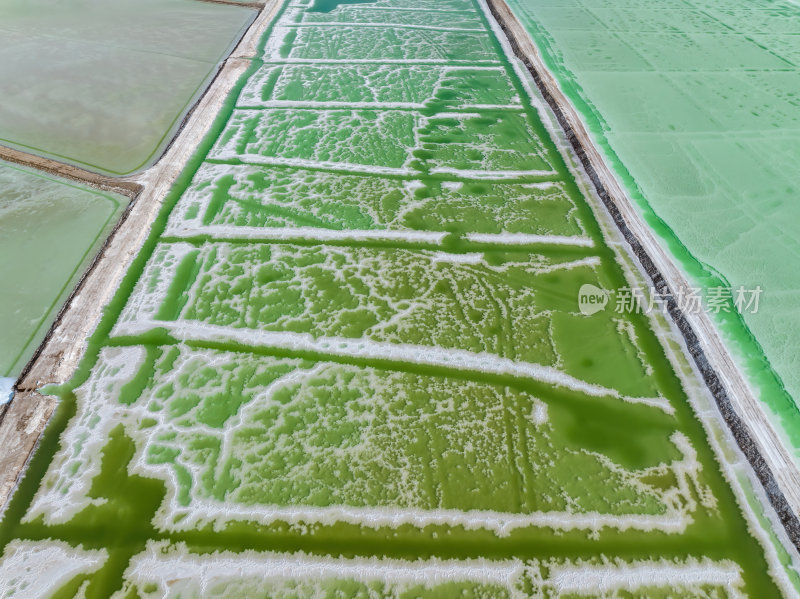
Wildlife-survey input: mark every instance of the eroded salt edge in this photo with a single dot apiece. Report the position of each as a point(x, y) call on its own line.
point(64, 490)
point(39, 568)
point(322, 234)
point(174, 565)
point(362, 348)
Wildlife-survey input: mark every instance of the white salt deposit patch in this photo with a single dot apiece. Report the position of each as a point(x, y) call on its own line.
point(690, 575)
point(332, 105)
point(384, 25)
point(39, 568)
point(526, 239)
point(175, 570)
point(64, 489)
point(172, 570)
point(320, 234)
point(403, 61)
point(6, 389)
point(203, 513)
point(363, 348)
point(490, 174)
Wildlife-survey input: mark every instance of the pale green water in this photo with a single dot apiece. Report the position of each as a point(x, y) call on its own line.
point(103, 83)
point(49, 230)
point(697, 103)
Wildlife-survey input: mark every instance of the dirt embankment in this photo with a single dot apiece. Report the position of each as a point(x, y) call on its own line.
point(256, 5)
point(122, 186)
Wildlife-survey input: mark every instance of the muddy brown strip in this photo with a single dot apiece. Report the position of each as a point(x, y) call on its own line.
point(255, 5)
point(67, 171)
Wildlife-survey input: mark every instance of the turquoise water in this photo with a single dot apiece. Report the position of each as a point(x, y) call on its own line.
point(697, 105)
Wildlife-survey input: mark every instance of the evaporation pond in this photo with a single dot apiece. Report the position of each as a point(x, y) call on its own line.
point(699, 102)
point(49, 232)
point(104, 84)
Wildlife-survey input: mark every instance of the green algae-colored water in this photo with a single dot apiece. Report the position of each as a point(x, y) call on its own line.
point(696, 104)
point(103, 84)
point(349, 358)
point(49, 231)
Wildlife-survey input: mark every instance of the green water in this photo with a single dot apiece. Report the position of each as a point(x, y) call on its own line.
point(329, 5)
point(696, 105)
point(353, 333)
point(49, 232)
point(104, 84)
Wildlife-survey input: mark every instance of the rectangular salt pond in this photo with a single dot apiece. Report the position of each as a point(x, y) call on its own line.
point(103, 84)
point(49, 232)
point(696, 105)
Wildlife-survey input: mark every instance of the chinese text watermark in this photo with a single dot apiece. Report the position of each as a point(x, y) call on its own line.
point(690, 300)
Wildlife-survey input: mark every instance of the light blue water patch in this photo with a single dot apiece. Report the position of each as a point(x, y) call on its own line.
point(6, 389)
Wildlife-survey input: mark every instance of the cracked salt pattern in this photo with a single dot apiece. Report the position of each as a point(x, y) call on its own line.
point(383, 43)
point(30, 569)
point(380, 86)
point(392, 296)
point(224, 432)
point(371, 13)
point(469, 145)
point(260, 197)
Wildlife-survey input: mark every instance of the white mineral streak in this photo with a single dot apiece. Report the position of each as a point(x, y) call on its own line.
point(384, 25)
point(259, 159)
point(692, 574)
point(410, 236)
point(155, 280)
point(365, 105)
point(62, 493)
point(590, 262)
point(175, 568)
point(526, 239)
point(449, 258)
point(405, 8)
point(490, 174)
point(172, 570)
point(401, 352)
point(402, 61)
point(502, 524)
point(335, 105)
point(39, 568)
